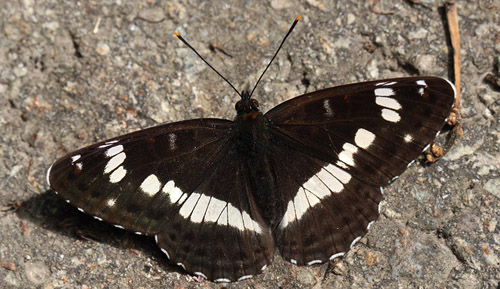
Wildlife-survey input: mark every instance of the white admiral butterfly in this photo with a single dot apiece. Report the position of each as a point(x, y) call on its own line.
point(221, 196)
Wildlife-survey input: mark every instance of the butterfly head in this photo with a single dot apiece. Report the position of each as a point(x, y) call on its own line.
point(247, 105)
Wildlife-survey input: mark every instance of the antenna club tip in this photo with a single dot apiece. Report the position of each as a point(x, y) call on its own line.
point(177, 34)
point(298, 17)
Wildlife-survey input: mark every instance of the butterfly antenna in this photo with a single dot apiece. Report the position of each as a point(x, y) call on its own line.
point(206, 62)
point(276, 53)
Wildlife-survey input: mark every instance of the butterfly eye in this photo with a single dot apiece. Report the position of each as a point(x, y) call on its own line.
point(255, 103)
point(238, 106)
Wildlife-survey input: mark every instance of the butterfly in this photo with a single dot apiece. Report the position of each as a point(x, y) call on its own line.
point(220, 197)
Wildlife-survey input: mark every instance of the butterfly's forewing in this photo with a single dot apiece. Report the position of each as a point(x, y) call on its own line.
point(180, 183)
point(351, 139)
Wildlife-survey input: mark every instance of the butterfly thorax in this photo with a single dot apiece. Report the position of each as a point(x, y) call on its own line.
point(250, 129)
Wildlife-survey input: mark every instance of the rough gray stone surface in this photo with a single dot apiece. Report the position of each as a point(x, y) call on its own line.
point(75, 72)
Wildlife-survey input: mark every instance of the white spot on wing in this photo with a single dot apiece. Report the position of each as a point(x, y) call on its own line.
point(314, 262)
point(173, 192)
point(172, 138)
point(183, 198)
point(390, 115)
point(214, 210)
point(289, 215)
point(263, 267)
point(182, 265)
point(293, 261)
point(189, 204)
point(330, 181)
point(346, 155)
point(364, 138)
point(234, 218)
point(47, 176)
point(245, 277)
point(355, 241)
point(341, 164)
point(222, 280)
point(316, 186)
point(111, 202)
point(117, 175)
point(223, 218)
point(328, 108)
point(369, 225)
point(114, 162)
point(337, 255)
point(250, 224)
point(113, 151)
point(200, 274)
point(339, 173)
point(151, 185)
point(384, 92)
point(108, 143)
point(165, 252)
point(408, 138)
point(79, 166)
point(75, 158)
point(200, 209)
point(452, 87)
point(421, 82)
point(301, 203)
point(388, 102)
point(385, 83)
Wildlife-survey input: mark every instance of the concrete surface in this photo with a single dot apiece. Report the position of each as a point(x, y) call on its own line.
point(75, 72)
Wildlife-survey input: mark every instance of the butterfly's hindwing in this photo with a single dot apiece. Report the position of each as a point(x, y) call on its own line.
point(324, 207)
point(223, 237)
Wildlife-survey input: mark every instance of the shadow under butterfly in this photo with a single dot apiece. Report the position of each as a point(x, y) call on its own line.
point(221, 196)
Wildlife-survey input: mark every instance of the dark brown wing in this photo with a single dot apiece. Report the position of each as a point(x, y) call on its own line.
point(180, 182)
point(337, 146)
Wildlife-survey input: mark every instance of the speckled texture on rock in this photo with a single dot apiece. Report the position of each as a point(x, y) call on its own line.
point(74, 72)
